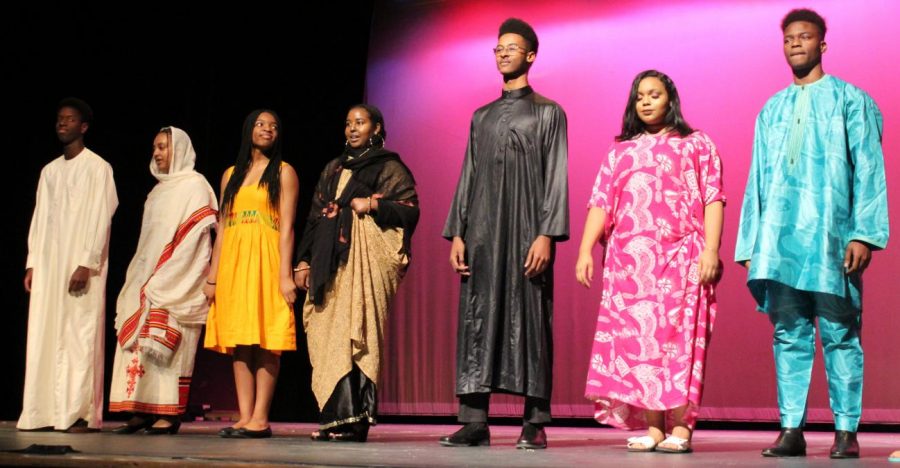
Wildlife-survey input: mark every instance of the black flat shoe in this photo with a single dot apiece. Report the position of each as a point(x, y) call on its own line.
point(244, 433)
point(790, 443)
point(532, 437)
point(128, 429)
point(81, 427)
point(471, 435)
point(348, 436)
point(171, 429)
point(352, 433)
point(845, 445)
point(322, 435)
point(133, 425)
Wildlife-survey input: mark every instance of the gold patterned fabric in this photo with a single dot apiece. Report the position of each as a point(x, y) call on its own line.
point(348, 328)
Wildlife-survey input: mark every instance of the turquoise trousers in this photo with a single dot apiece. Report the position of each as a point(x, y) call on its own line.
point(794, 313)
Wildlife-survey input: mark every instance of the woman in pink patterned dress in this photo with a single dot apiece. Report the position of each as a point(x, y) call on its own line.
point(657, 208)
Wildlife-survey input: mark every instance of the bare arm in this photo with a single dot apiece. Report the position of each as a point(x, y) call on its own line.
point(594, 226)
point(287, 211)
point(713, 217)
point(209, 289)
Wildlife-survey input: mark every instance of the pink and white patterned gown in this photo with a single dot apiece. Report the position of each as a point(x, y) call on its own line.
point(655, 317)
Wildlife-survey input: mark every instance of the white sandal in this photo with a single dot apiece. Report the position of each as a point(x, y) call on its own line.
point(676, 445)
point(642, 444)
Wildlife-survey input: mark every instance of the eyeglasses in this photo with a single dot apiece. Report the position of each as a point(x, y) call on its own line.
point(512, 49)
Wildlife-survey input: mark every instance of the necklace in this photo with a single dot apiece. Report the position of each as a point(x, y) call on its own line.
point(350, 155)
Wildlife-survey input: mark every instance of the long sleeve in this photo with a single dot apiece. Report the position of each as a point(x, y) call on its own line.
point(37, 232)
point(397, 214)
point(748, 229)
point(400, 205)
point(458, 218)
point(555, 208)
point(98, 218)
point(869, 212)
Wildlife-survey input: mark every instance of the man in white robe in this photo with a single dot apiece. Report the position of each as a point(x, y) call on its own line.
point(68, 247)
point(161, 309)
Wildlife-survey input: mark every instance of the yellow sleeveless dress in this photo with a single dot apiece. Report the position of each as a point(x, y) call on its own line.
point(249, 308)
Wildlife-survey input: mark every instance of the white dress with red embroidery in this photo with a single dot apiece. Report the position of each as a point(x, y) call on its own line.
point(161, 308)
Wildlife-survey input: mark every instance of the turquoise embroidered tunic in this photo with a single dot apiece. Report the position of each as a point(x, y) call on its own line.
point(816, 183)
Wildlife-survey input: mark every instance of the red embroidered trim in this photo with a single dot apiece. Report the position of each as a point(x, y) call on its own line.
point(130, 325)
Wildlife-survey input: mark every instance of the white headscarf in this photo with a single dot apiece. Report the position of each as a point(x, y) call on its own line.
point(169, 267)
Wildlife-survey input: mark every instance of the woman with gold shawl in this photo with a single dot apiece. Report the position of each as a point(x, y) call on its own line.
point(354, 251)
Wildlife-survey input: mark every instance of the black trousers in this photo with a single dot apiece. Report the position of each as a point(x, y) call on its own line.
point(473, 407)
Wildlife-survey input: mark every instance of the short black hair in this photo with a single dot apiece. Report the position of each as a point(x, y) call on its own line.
point(517, 26)
point(84, 110)
point(804, 14)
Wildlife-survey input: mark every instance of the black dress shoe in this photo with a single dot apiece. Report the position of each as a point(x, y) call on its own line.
point(790, 443)
point(133, 425)
point(845, 445)
point(171, 429)
point(244, 433)
point(81, 427)
point(128, 428)
point(471, 435)
point(532, 437)
point(227, 432)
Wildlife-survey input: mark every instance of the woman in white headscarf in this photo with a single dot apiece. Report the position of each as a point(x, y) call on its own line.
point(162, 308)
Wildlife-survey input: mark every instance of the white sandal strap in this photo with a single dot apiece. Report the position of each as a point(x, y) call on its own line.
point(675, 441)
point(645, 441)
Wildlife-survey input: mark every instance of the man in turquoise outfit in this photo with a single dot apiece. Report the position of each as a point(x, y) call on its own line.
point(814, 208)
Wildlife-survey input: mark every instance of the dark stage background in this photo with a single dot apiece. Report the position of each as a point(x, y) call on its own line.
point(142, 67)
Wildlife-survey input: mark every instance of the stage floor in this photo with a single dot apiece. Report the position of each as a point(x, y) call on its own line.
point(407, 445)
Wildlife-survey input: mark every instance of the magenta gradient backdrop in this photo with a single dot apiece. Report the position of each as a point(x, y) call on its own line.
point(430, 67)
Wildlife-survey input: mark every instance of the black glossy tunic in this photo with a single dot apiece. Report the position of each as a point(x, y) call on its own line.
point(513, 187)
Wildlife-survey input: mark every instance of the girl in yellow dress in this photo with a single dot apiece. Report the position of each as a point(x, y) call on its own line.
point(249, 285)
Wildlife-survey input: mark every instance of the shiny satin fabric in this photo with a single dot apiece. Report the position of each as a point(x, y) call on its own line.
point(816, 183)
point(352, 401)
point(794, 314)
point(513, 187)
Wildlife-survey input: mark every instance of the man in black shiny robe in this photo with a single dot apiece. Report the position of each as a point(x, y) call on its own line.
point(510, 207)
